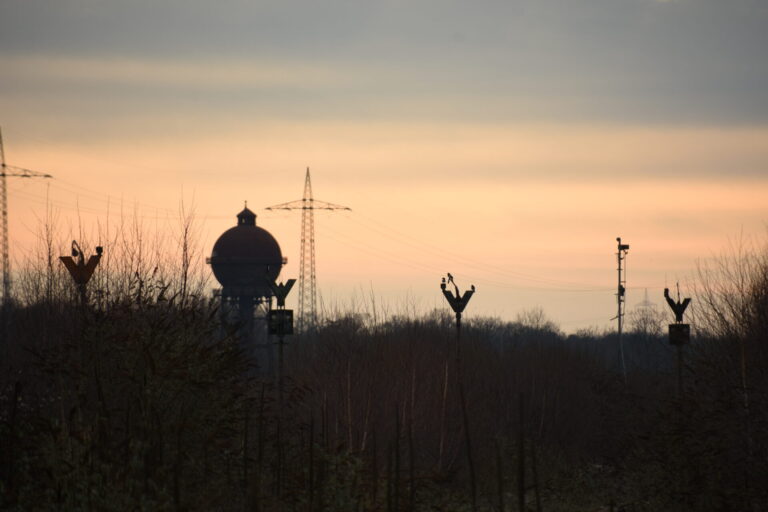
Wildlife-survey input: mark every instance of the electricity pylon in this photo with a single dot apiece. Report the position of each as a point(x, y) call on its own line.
point(16, 172)
point(307, 274)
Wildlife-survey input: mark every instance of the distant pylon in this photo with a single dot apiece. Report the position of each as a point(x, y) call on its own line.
point(18, 172)
point(307, 275)
point(4, 208)
point(646, 303)
point(307, 287)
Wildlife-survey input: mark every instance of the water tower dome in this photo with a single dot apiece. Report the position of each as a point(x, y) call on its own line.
point(245, 258)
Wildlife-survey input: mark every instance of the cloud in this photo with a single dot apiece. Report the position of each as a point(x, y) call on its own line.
point(181, 74)
point(622, 61)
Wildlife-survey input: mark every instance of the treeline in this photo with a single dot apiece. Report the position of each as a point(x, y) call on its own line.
point(143, 400)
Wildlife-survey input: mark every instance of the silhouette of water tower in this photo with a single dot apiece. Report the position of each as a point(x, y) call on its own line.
point(245, 259)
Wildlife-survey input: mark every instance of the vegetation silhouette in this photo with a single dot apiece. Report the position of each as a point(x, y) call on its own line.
point(141, 400)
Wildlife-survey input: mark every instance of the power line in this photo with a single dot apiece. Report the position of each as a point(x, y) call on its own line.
point(424, 248)
point(369, 224)
point(141, 210)
point(415, 263)
point(421, 245)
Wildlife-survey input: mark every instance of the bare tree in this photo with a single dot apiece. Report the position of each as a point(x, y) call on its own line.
point(732, 304)
point(535, 318)
point(647, 321)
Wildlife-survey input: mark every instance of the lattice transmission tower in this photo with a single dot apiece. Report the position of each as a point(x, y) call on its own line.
point(307, 275)
point(7, 171)
point(16, 172)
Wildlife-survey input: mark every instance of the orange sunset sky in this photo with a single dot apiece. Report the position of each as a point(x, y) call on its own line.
point(508, 143)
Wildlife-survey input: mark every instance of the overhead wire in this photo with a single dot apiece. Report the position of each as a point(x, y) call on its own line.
point(77, 189)
point(421, 245)
point(343, 238)
point(372, 251)
point(54, 202)
point(105, 198)
point(393, 257)
point(141, 210)
point(78, 207)
point(364, 221)
point(378, 252)
point(498, 270)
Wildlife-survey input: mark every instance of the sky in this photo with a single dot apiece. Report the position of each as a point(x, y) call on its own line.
point(507, 142)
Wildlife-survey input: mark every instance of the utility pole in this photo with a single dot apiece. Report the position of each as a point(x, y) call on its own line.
point(7, 171)
point(280, 323)
point(458, 303)
point(679, 333)
point(621, 255)
point(81, 271)
point(307, 275)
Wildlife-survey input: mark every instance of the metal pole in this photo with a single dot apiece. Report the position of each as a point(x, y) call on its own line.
point(4, 229)
point(280, 322)
point(622, 248)
point(83, 297)
point(458, 302)
point(458, 338)
point(6, 262)
point(679, 371)
point(679, 333)
point(521, 454)
point(280, 346)
point(5, 258)
point(619, 315)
